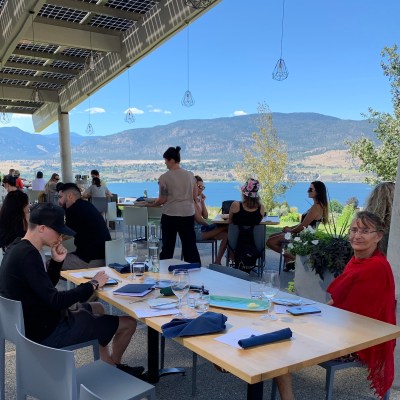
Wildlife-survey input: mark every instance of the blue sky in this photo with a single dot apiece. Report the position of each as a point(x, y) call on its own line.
point(331, 49)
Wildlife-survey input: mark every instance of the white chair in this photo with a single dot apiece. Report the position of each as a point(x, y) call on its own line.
point(112, 215)
point(33, 195)
point(154, 218)
point(11, 316)
point(135, 217)
point(101, 203)
point(58, 378)
point(115, 252)
point(86, 394)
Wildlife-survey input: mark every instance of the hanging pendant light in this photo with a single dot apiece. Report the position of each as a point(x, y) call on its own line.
point(93, 57)
point(198, 4)
point(129, 117)
point(280, 72)
point(4, 116)
point(187, 99)
point(89, 127)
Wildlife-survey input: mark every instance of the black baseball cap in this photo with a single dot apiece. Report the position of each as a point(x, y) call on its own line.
point(52, 216)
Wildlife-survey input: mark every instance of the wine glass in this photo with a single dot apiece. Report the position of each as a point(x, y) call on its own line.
point(270, 290)
point(131, 255)
point(180, 286)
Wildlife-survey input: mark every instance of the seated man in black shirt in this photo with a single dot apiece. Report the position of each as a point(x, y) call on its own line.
point(47, 319)
point(90, 227)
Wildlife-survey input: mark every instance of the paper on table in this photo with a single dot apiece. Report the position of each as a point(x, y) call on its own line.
point(151, 312)
point(89, 274)
point(280, 309)
point(232, 338)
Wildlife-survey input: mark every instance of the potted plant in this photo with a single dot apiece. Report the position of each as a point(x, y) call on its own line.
point(320, 256)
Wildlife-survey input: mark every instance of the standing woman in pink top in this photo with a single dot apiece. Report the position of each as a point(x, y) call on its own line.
point(177, 194)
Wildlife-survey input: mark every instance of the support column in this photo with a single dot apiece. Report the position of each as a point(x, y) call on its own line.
point(65, 147)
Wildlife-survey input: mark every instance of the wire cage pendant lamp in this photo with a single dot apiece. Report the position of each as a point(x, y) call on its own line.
point(93, 57)
point(198, 4)
point(188, 99)
point(280, 72)
point(89, 127)
point(129, 116)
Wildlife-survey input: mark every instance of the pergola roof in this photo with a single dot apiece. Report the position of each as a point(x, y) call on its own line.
point(47, 44)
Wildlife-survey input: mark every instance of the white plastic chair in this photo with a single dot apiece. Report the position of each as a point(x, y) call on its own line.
point(112, 215)
point(115, 251)
point(86, 394)
point(100, 203)
point(58, 378)
point(134, 217)
point(11, 316)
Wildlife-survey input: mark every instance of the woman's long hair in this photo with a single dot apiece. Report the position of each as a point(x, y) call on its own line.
point(380, 202)
point(321, 199)
point(12, 217)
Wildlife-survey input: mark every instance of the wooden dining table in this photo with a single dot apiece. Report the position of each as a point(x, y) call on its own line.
point(316, 337)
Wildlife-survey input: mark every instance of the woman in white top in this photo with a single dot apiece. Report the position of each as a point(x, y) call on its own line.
point(39, 183)
point(177, 194)
point(96, 189)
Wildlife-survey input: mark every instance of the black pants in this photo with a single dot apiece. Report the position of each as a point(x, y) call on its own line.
point(184, 226)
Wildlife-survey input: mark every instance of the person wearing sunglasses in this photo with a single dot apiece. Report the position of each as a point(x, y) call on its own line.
point(50, 188)
point(317, 213)
point(204, 230)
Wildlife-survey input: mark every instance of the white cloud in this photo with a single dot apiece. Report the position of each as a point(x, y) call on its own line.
point(239, 112)
point(167, 112)
point(21, 116)
point(95, 110)
point(156, 110)
point(134, 110)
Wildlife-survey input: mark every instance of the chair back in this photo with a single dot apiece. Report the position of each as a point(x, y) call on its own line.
point(33, 195)
point(136, 216)
point(258, 234)
point(101, 203)
point(86, 394)
point(45, 372)
point(11, 315)
point(226, 205)
point(237, 273)
point(115, 252)
point(154, 212)
point(69, 244)
point(111, 211)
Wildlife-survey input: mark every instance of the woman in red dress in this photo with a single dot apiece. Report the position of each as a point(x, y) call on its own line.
point(366, 287)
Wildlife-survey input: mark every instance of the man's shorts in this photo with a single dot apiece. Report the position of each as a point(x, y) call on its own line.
point(81, 326)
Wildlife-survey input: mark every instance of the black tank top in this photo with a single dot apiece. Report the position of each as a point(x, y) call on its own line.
point(314, 223)
point(244, 217)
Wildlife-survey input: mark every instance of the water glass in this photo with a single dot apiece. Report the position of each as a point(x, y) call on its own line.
point(180, 286)
point(202, 303)
point(256, 289)
point(271, 289)
point(131, 255)
point(191, 299)
point(138, 270)
point(155, 263)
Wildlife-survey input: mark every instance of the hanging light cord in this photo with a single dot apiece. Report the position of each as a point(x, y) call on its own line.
point(188, 57)
point(129, 90)
point(283, 18)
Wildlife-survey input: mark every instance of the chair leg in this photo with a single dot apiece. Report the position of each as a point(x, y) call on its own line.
point(330, 377)
point(194, 374)
point(2, 369)
point(162, 351)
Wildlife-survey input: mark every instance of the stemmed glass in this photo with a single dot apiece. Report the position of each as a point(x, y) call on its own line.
point(270, 290)
point(131, 255)
point(180, 286)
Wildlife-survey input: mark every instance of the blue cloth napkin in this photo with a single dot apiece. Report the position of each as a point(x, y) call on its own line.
point(209, 322)
point(266, 338)
point(121, 268)
point(184, 266)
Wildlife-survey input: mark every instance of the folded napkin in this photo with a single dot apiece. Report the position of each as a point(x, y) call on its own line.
point(271, 337)
point(209, 322)
point(184, 266)
point(121, 268)
point(167, 291)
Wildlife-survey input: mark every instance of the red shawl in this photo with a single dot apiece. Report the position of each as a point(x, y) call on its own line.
point(370, 278)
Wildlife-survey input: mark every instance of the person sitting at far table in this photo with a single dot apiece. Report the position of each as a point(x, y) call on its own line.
point(10, 183)
point(96, 189)
point(204, 230)
point(312, 217)
point(47, 318)
point(38, 183)
point(91, 229)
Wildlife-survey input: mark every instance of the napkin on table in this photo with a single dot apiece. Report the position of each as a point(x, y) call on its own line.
point(184, 266)
point(209, 322)
point(265, 338)
point(121, 268)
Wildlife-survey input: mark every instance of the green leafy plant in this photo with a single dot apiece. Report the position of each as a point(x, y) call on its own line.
point(328, 250)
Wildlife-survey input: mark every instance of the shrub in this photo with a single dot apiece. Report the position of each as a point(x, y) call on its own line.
point(290, 217)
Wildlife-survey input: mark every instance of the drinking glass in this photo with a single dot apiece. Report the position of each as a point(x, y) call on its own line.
point(131, 255)
point(202, 303)
point(271, 288)
point(256, 289)
point(180, 286)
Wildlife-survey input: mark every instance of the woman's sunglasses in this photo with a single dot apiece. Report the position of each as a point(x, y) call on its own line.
point(310, 190)
point(201, 187)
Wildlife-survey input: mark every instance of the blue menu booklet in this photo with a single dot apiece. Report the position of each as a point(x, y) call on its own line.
point(135, 289)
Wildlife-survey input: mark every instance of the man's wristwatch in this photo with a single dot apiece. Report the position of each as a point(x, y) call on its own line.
point(95, 284)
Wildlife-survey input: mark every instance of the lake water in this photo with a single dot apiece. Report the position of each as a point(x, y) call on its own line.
point(216, 192)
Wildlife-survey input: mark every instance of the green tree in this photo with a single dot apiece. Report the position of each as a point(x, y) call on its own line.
point(335, 206)
point(265, 159)
point(381, 159)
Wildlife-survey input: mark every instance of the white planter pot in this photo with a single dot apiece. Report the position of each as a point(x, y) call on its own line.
point(308, 284)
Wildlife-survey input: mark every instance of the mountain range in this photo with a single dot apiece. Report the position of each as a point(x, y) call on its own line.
point(305, 134)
